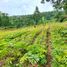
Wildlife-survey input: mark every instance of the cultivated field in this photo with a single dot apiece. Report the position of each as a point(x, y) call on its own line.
point(42, 46)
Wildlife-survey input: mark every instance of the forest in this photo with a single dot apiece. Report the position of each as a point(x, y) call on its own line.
point(7, 21)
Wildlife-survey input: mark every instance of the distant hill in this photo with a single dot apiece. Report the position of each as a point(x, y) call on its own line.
point(27, 20)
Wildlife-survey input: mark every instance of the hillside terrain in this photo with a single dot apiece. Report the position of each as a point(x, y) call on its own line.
point(42, 46)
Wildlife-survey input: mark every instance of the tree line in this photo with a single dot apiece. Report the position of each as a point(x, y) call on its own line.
point(37, 17)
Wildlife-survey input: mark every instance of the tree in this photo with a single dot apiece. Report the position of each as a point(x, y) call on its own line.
point(58, 4)
point(4, 19)
point(36, 16)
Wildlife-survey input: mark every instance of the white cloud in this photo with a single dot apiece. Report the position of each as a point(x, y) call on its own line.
point(15, 7)
point(4, 1)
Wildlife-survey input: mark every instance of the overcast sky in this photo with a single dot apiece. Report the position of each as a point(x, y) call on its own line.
point(22, 7)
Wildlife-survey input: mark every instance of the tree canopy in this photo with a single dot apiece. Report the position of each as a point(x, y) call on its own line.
point(58, 4)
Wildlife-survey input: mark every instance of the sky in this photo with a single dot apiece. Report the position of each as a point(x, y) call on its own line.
point(23, 7)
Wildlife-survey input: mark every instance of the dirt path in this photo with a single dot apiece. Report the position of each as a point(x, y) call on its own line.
point(48, 44)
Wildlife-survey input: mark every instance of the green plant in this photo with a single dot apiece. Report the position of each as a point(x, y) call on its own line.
point(35, 54)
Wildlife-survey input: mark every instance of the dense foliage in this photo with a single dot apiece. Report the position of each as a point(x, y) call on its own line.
point(58, 4)
point(27, 20)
